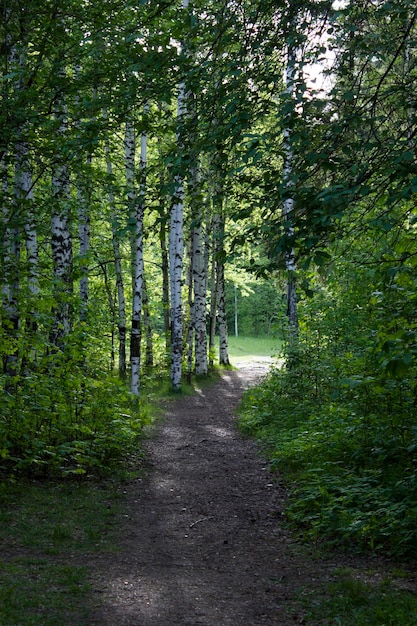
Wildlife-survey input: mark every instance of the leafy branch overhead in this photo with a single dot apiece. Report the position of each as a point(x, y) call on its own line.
point(170, 170)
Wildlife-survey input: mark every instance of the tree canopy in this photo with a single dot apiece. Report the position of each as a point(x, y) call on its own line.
point(152, 154)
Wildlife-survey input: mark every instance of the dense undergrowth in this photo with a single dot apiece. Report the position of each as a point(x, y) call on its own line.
point(340, 423)
point(65, 417)
point(351, 474)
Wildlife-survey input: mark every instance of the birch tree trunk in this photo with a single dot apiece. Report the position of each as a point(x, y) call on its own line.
point(84, 240)
point(197, 291)
point(24, 209)
point(61, 238)
point(12, 218)
point(221, 295)
point(147, 326)
point(213, 297)
point(11, 276)
point(24, 191)
point(288, 204)
point(84, 199)
point(163, 214)
point(221, 317)
point(117, 259)
point(165, 285)
point(200, 299)
point(136, 204)
point(176, 250)
point(210, 264)
point(191, 320)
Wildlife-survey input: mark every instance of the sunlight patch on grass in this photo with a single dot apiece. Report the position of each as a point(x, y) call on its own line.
point(252, 348)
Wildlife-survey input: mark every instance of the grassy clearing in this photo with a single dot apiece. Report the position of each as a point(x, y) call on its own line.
point(46, 528)
point(250, 348)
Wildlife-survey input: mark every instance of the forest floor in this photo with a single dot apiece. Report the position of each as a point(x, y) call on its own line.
point(201, 538)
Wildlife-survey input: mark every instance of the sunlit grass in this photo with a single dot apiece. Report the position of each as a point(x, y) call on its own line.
point(251, 348)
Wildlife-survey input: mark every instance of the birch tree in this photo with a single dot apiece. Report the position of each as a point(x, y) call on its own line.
point(10, 217)
point(221, 293)
point(137, 207)
point(61, 237)
point(199, 279)
point(176, 248)
point(117, 260)
point(287, 182)
point(84, 200)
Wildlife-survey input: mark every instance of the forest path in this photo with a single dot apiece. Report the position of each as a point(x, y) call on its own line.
point(201, 543)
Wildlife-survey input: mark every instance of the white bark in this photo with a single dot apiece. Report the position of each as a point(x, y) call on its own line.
point(221, 317)
point(137, 207)
point(11, 274)
point(288, 204)
point(121, 303)
point(24, 193)
point(191, 323)
point(176, 251)
point(147, 325)
point(84, 239)
point(83, 196)
point(213, 297)
point(221, 294)
point(200, 300)
point(61, 240)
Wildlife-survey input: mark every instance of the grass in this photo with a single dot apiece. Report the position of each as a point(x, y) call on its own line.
point(251, 348)
point(44, 527)
point(38, 593)
point(350, 601)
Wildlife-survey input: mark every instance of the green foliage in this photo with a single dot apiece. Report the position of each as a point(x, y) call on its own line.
point(66, 418)
point(47, 524)
point(34, 592)
point(350, 601)
point(258, 305)
point(340, 421)
point(351, 474)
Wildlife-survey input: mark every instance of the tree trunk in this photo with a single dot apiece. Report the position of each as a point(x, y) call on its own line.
point(165, 285)
point(84, 199)
point(136, 204)
point(117, 259)
point(61, 240)
point(163, 216)
point(84, 238)
point(149, 360)
point(200, 299)
point(25, 192)
point(213, 293)
point(11, 275)
point(191, 320)
point(288, 204)
point(176, 250)
point(221, 295)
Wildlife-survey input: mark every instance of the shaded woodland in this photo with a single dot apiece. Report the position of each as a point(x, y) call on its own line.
point(159, 157)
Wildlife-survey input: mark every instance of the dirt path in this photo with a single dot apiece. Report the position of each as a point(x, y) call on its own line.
point(202, 541)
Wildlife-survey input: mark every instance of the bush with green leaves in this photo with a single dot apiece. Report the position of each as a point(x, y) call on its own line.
point(65, 417)
point(340, 421)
